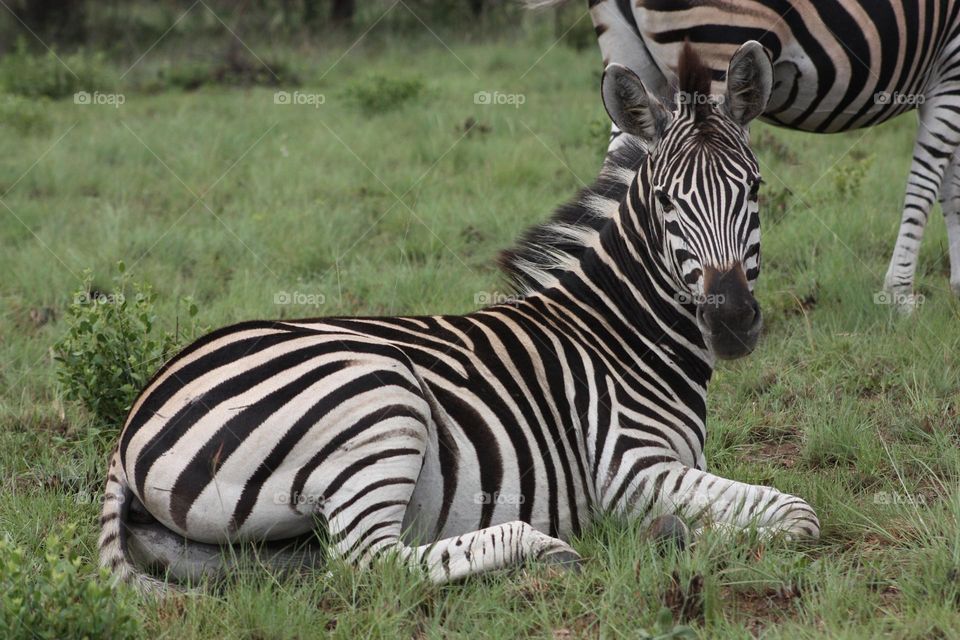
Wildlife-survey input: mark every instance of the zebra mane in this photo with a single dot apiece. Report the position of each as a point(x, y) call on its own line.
point(693, 79)
point(545, 251)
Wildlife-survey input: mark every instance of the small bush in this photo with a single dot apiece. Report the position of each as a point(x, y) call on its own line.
point(848, 177)
point(26, 73)
point(378, 93)
point(112, 346)
point(52, 598)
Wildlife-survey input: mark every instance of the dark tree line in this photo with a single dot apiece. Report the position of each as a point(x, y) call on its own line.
point(66, 21)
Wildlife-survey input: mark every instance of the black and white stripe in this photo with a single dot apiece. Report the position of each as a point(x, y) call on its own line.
point(838, 65)
point(470, 443)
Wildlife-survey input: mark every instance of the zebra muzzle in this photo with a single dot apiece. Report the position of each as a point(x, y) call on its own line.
point(728, 314)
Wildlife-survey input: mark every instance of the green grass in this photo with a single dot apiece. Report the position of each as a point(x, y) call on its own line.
point(223, 195)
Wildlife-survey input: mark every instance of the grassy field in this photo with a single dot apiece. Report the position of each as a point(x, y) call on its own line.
point(394, 196)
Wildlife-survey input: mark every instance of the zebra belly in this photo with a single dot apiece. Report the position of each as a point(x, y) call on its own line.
point(831, 57)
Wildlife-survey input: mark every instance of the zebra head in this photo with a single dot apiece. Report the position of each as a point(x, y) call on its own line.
point(698, 188)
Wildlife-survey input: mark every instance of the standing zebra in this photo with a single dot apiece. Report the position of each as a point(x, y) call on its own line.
point(471, 443)
point(838, 65)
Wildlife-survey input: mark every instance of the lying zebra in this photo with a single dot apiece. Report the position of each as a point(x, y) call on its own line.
point(472, 443)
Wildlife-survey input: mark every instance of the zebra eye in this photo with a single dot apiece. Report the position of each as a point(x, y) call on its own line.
point(755, 188)
point(665, 202)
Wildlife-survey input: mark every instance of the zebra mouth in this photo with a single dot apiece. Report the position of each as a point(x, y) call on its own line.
point(728, 343)
point(728, 314)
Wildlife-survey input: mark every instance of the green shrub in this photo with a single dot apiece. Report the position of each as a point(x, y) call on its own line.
point(112, 345)
point(378, 93)
point(53, 598)
point(30, 74)
point(848, 177)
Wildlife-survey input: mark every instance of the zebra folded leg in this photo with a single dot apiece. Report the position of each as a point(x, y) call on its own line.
point(498, 547)
point(706, 499)
point(935, 145)
point(950, 203)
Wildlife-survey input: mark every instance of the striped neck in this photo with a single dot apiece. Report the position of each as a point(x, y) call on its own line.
point(624, 280)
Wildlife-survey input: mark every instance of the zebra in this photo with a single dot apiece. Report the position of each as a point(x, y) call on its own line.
point(466, 444)
point(839, 65)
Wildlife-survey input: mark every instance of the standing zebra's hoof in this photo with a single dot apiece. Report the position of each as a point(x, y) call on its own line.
point(669, 531)
point(565, 559)
point(902, 298)
point(907, 303)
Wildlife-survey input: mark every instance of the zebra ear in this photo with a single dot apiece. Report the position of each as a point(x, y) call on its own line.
point(749, 82)
point(631, 107)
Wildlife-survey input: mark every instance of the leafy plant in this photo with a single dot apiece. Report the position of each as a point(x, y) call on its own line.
point(53, 598)
point(379, 93)
point(848, 178)
point(113, 345)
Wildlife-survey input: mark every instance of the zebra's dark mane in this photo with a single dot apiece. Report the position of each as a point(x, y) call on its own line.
point(693, 79)
point(550, 248)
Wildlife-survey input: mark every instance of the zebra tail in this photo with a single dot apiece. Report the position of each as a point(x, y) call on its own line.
point(113, 533)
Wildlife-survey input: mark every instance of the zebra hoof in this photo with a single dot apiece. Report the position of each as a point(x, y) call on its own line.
point(563, 559)
point(902, 299)
point(669, 531)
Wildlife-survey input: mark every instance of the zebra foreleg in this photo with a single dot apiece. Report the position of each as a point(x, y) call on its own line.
point(935, 145)
point(705, 499)
point(950, 203)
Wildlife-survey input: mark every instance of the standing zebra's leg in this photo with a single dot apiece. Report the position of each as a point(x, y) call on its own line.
point(707, 499)
point(937, 139)
point(950, 203)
